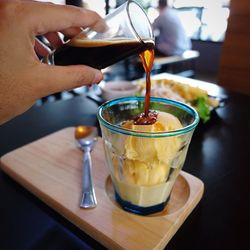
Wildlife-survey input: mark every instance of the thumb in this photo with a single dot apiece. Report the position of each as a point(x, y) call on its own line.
point(54, 79)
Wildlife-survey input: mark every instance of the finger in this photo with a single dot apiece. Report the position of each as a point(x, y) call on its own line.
point(58, 78)
point(71, 32)
point(40, 48)
point(54, 39)
point(52, 17)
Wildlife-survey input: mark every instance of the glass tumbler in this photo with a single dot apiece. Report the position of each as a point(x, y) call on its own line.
point(129, 33)
point(144, 162)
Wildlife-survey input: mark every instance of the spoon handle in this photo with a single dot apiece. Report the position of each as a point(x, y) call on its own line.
point(88, 193)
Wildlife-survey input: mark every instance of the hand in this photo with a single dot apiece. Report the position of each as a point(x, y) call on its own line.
point(23, 78)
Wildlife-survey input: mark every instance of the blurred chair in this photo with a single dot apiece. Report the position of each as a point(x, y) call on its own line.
point(234, 68)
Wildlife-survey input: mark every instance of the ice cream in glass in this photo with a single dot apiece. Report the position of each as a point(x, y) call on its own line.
point(144, 160)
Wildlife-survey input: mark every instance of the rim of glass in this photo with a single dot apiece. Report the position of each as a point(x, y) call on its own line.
point(131, 23)
point(119, 129)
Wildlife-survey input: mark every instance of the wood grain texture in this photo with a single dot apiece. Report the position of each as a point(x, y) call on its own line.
point(51, 167)
point(234, 69)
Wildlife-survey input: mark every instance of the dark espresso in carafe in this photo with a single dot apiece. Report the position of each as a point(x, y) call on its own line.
point(99, 53)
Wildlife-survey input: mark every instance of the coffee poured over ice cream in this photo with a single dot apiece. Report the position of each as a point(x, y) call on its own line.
point(143, 176)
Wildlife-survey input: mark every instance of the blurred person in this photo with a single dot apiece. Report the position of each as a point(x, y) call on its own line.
point(171, 38)
point(23, 78)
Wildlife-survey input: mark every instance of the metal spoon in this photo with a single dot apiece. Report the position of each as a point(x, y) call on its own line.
point(86, 137)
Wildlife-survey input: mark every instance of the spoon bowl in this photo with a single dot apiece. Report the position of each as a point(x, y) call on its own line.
point(86, 138)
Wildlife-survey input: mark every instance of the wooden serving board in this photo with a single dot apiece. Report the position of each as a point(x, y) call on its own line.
point(51, 169)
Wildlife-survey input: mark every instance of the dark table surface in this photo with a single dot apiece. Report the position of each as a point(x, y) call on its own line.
point(217, 155)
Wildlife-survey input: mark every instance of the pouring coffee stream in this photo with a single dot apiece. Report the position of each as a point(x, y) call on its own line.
point(149, 117)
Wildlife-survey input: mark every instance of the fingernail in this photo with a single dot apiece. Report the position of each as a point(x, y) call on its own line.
point(98, 77)
point(102, 27)
point(105, 27)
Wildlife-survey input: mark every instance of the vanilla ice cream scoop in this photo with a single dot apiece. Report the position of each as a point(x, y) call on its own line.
point(148, 159)
point(142, 176)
